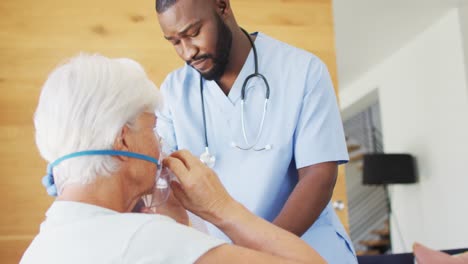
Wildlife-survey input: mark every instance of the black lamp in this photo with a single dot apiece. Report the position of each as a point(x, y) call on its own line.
point(383, 169)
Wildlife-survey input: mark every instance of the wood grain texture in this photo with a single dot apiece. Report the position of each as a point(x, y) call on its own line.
point(339, 194)
point(36, 36)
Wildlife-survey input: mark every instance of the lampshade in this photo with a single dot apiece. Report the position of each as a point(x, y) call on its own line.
point(388, 169)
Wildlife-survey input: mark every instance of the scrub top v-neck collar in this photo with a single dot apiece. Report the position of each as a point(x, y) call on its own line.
point(228, 103)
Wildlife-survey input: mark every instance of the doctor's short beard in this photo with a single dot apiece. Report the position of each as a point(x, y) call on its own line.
point(223, 49)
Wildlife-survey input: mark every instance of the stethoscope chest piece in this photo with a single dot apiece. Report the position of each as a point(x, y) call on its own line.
point(208, 159)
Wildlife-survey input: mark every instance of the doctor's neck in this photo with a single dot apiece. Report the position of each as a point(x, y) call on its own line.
point(240, 49)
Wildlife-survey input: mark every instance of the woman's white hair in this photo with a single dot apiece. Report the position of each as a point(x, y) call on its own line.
point(83, 105)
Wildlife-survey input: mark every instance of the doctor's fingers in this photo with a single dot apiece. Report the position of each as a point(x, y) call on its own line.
point(177, 167)
point(187, 158)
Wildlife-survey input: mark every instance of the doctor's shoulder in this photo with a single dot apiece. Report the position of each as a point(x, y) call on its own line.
point(298, 64)
point(179, 82)
point(288, 53)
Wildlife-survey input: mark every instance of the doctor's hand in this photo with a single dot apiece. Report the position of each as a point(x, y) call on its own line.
point(199, 189)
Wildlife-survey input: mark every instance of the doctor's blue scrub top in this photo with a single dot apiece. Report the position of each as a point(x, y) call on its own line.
point(302, 125)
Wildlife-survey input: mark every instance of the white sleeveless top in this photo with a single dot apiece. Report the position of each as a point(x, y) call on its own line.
point(82, 233)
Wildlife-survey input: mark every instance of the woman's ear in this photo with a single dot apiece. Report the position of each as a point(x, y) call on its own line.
point(121, 142)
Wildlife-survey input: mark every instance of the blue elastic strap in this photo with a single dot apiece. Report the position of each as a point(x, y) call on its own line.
point(48, 180)
point(101, 152)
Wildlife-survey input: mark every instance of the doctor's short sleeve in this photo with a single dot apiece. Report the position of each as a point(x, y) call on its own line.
point(319, 135)
point(164, 124)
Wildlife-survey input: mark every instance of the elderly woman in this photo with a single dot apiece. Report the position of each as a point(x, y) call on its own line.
point(94, 125)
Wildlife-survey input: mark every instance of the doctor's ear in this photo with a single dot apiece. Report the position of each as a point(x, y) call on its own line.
point(223, 7)
point(121, 143)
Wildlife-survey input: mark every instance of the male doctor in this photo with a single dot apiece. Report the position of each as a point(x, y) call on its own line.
point(275, 138)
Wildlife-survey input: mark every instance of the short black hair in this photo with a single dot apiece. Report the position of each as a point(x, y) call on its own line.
point(163, 5)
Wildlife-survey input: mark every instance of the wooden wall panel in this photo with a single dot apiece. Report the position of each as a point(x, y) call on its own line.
point(36, 35)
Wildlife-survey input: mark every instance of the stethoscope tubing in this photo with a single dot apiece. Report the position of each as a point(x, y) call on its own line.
point(243, 98)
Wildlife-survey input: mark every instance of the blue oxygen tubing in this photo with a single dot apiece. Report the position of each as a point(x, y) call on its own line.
point(48, 180)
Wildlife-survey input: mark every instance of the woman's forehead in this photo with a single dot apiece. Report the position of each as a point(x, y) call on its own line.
point(146, 118)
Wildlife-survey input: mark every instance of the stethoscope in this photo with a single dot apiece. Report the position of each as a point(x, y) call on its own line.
point(209, 159)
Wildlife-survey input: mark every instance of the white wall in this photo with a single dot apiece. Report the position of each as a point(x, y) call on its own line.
point(424, 106)
point(463, 10)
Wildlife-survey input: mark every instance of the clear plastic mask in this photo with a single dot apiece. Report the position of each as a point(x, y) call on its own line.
point(164, 176)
